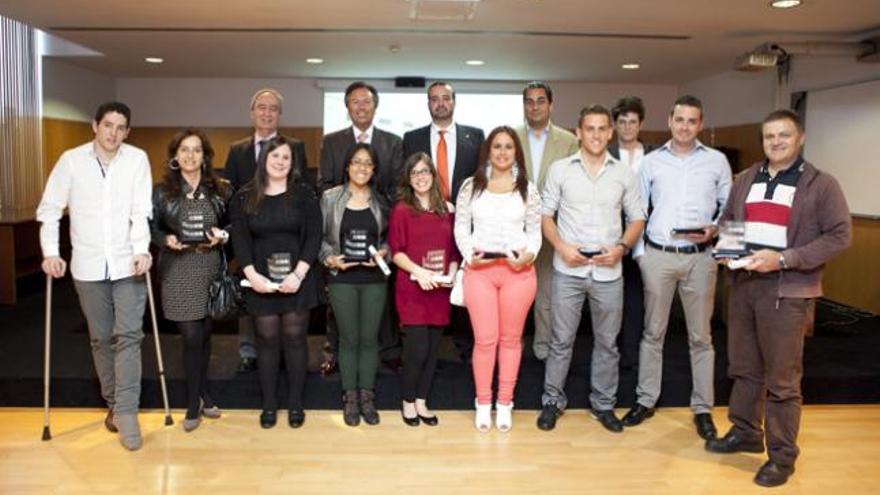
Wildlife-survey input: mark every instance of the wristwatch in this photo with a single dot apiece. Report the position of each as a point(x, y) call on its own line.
point(782, 265)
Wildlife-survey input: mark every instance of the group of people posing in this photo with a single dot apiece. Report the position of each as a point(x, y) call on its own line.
point(531, 217)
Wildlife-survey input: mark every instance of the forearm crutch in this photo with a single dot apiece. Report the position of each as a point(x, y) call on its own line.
point(168, 420)
point(47, 435)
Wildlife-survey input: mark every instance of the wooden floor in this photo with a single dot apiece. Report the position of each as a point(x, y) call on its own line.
point(840, 455)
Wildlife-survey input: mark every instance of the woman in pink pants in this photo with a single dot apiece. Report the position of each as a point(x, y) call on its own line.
point(498, 232)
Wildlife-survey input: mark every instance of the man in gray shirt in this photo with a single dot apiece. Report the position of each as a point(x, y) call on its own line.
point(581, 206)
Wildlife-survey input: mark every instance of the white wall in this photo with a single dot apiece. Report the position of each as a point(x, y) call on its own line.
point(73, 93)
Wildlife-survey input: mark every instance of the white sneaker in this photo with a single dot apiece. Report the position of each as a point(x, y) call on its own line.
point(503, 417)
point(483, 417)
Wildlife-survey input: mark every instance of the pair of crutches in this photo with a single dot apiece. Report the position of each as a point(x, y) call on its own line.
point(47, 435)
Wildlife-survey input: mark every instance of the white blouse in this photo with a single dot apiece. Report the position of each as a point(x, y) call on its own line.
point(497, 222)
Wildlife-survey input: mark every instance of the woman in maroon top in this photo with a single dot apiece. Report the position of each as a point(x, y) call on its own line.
point(423, 247)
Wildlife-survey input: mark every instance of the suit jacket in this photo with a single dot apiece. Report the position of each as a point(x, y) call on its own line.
point(241, 163)
point(389, 150)
point(468, 141)
point(560, 144)
point(614, 148)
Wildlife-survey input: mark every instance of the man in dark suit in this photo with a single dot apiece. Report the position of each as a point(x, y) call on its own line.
point(361, 100)
point(241, 164)
point(452, 146)
point(629, 116)
point(455, 149)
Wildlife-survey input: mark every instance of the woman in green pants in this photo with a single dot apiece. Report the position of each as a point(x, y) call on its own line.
point(355, 220)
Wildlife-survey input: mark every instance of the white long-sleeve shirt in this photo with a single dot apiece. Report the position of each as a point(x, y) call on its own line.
point(109, 207)
point(493, 222)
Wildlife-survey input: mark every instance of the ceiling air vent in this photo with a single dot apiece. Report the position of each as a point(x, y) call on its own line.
point(443, 10)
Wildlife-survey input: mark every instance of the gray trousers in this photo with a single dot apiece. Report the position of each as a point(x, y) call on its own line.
point(606, 312)
point(114, 311)
point(693, 275)
point(543, 317)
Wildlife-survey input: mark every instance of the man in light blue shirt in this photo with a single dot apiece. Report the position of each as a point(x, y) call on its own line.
point(684, 186)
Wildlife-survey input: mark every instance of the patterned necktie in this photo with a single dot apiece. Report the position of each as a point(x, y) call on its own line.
point(362, 137)
point(443, 165)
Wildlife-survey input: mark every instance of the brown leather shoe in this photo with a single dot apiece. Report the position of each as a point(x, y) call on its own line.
point(351, 412)
point(108, 422)
point(368, 408)
point(772, 474)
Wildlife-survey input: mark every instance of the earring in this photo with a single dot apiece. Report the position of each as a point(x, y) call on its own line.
point(173, 165)
point(515, 172)
point(204, 166)
point(488, 170)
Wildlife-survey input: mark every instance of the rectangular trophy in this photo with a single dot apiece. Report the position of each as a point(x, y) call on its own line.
point(731, 241)
point(192, 229)
point(280, 265)
point(354, 246)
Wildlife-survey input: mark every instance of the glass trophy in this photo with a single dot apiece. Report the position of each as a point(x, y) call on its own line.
point(280, 265)
point(192, 229)
point(434, 260)
point(354, 246)
point(731, 241)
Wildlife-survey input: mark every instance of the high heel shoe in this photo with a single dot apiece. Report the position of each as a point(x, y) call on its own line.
point(503, 417)
point(483, 417)
point(408, 421)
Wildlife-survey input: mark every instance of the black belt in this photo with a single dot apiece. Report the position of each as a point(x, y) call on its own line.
point(692, 249)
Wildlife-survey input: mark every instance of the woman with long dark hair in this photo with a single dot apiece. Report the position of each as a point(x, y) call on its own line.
point(189, 212)
point(423, 247)
point(276, 233)
point(355, 224)
point(498, 232)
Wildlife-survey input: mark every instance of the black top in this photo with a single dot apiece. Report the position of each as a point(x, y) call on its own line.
point(358, 230)
point(287, 225)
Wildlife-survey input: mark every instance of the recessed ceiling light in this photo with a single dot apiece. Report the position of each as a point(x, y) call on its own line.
point(785, 4)
point(314, 60)
point(630, 66)
point(154, 60)
point(474, 62)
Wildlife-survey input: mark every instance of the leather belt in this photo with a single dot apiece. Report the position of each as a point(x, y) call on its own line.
point(692, 249)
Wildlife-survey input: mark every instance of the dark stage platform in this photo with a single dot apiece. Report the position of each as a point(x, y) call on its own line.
point(841, 364)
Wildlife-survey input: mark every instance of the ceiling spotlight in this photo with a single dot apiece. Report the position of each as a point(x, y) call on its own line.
point(785, 4)
point(314, 60)
point(154, 60)
point(475, 62)
point(630, 66)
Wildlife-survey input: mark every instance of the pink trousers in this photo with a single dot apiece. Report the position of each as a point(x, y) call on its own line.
point(498, 300)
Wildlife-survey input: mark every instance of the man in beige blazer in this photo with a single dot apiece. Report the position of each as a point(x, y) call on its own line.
point(543, 143)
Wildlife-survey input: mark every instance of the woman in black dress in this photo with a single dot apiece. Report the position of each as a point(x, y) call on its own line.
point(276, 233)
point(189, 210)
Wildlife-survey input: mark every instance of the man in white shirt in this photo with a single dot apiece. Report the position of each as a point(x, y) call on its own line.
point(582, 202)
point(106, 187)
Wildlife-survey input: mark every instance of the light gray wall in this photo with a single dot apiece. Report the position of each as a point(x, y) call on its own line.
point(73, 93)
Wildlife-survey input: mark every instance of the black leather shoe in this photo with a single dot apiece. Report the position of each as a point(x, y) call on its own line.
point(637, 415)
point(608, 420)
point(733, 442)
point(296, 418)
point(549, 414)
point(268, 418)
point(108, 422)
point(429, 420)
point(246, 365)
point(772, 474)
point(705, 426)
point(409, 421)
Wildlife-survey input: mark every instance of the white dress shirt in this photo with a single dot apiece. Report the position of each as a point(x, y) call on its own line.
point(108, 207)
point(257, 140)
point(536, 149)
point(451, 140)
point(369, 132)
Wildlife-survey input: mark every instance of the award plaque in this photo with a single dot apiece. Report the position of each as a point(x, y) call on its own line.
point(280, 265)
point(192, 229)
point(731, 241)
point(354, 246)
point(435, 261)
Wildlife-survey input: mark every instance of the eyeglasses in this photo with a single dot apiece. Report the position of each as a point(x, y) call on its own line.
point(362, 163)
point(420, 172)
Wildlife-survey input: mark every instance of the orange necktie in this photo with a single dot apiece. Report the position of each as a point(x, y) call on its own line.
point(443, 165)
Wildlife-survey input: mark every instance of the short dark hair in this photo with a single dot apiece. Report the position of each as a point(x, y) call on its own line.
point(539, 85)
point(441, 83)
point(687, 101)
point(628, 104)
point(362, 85)
point(594, 110)
point(113, 106)
point(785, 114)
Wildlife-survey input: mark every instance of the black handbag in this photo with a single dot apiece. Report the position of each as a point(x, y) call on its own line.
point(225, 294)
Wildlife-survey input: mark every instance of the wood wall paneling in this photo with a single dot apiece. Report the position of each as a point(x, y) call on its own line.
point(853, 278)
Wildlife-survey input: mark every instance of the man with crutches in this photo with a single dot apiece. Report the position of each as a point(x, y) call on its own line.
point(106, 187)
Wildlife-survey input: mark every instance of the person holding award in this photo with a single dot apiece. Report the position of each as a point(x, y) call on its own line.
point(276, 233)
point(189, 211)
point(354, 250)
point(498, 232)
point(423, 247)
